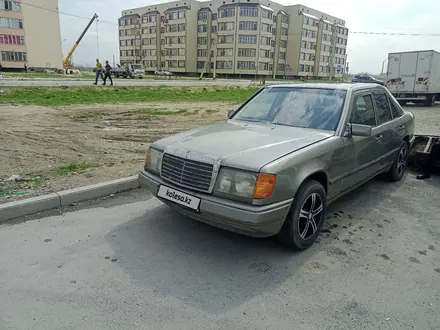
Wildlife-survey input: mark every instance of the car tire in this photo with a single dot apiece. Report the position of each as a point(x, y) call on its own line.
point(397, 169)
point(301, 229)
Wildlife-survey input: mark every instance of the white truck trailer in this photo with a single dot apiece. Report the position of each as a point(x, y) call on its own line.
point(414, 76)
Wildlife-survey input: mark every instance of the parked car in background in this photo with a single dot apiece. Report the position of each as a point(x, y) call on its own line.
point(129, 71)
point(367, 79)
point(281, 158)
point(162, 73)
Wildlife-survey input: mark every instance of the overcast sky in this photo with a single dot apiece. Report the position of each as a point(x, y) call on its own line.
point(366, 52)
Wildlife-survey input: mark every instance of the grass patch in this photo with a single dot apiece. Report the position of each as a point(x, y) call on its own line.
point(72, 167)
point(60, 96)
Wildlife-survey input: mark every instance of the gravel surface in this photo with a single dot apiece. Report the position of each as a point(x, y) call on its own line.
point(128, 262)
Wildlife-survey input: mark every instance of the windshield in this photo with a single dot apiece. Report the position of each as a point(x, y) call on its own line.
point(298, 107)
point(137, 67)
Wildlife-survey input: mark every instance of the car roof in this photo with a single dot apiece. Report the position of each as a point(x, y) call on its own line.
point(337, 85)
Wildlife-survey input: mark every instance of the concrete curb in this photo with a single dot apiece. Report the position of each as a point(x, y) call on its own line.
point(9, 211)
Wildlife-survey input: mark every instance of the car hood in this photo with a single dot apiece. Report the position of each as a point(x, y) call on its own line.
point(245, 145)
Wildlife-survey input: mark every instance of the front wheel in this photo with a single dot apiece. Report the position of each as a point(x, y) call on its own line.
point(306, 216)
point(395, 173)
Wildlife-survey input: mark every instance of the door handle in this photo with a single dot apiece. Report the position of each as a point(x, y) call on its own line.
point(378, 138)
point(401, 128)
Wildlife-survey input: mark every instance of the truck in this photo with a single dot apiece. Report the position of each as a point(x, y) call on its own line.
point(129, 71)
point(414, 76)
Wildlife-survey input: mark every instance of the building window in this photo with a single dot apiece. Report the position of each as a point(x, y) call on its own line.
point(175, 15)
point(181, 27)
point(246, 65)
point(201, 64)
point(13, 56)
point(149, 19)
point(264, 53)
point(243, 39)
point(202, 40)
point(266, 14)
point(249, 12)
point(214, 28)
point(6, 39)
point(265, 41)
point(247, 52)
point(214, 16)
point(285, 19)
point(263, 66)
point(180, 40)
point(229, 39)
point(181, 51)
point(202, 16)
point(149, 30)
point(202, 28)
point(181, 64)
point(202, 52)
point(225, 52)
point(11, 23)
point(283, 43)
point(224, 65)
point(10, 5)
point(283, 31)
point(266, 27)
point(226, 26)
point(282, 55)
point(227, 12)
point(247, 25)
point(301, 68)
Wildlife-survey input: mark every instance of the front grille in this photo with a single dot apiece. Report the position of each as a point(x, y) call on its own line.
point(187, 173)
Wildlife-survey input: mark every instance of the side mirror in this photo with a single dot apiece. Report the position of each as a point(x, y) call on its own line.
point(231, 113)
point(359, 130)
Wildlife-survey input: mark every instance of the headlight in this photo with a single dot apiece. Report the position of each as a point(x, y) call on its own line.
point(153, 160)
point(244, 185)
point(235, 183)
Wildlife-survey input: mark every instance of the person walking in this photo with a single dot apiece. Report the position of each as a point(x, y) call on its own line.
point(25, 67)
point(107, 73)
point(98, 72)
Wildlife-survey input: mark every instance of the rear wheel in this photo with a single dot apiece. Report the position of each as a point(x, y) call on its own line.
point(395, 173)
point(306, 216)
point(429, 100)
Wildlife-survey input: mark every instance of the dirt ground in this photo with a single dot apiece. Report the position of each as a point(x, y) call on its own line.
point(53, 149)
point(60, 148)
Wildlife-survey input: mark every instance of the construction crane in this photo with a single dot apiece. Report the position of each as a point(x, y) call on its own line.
point(67, 64)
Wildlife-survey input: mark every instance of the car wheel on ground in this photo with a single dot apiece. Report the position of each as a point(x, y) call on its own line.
point(306, 216)
point(397, 170)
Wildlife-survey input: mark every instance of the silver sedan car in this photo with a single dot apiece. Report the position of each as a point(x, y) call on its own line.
point(279, 160)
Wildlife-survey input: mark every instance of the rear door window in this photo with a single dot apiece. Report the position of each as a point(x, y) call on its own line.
point(395, 110)
point(383, 108)
point(363, 111)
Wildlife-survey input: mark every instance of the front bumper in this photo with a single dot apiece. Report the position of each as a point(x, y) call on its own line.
point(250, 220)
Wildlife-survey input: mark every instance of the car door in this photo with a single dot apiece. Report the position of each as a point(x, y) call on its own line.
point(362, 149)
point(387, 138)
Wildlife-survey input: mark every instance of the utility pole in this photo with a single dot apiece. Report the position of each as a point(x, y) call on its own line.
point(332, 52)
point(208, 61)
point(214, 73)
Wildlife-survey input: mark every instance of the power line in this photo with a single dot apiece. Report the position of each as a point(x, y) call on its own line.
point(62, 13)
point(289, 34)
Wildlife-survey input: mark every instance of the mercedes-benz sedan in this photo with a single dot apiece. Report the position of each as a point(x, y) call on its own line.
point(281, 158)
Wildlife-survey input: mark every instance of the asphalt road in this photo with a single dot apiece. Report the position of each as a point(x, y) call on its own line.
point(123, 82)
point(129, 262)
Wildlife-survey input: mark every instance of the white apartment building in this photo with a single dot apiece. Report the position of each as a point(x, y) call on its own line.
point(238, 37)
point(30, 35)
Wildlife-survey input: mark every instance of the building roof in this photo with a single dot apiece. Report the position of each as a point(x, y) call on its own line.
point(310, 16)
point(266, 8)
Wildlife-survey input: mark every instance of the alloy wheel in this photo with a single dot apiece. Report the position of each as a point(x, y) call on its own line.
point(401, 161)
point(310, 216)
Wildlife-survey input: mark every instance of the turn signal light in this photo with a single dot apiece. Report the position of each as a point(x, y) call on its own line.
point(265, 185)
point(146, 156)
